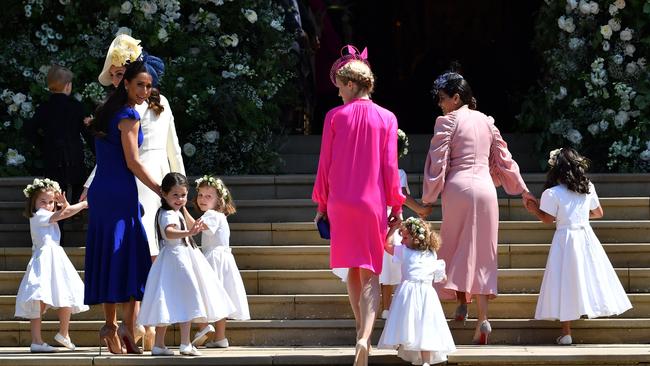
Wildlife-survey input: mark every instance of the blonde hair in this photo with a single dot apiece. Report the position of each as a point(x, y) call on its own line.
point(58, 77)
point(225, 202)
point(359, 73)
point(422, 235)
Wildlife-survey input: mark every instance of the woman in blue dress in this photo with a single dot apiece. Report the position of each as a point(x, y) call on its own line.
point(117, 251)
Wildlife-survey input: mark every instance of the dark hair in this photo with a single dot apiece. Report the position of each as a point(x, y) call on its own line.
point(464, 91)
point(154, 102)
point(170, 181)
point(115, 101)
point(569, 168)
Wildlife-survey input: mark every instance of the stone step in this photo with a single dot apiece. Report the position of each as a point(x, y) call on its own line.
point(339, 332)
point(545, 355)
point(337, 306)
point(305, 233)
point(246, 187)
point(289, 282)
point(317, 256)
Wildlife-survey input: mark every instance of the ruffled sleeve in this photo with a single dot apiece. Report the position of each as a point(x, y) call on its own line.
point(41, 217)
point(390, 172)
point(594, 202)
point(503, 169)
point(321, 185)
point(128, 113)
point(439, 271)
point(437, 163)
point(168, 218)
point(548, 203)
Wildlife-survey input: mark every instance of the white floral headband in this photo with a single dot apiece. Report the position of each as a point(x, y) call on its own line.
point(552, 156)
point(416, 228)
point(216, 183)
point(39, 184)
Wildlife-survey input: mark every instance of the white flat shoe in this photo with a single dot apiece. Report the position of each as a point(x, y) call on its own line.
point(200, 336)
point(218, 344)
point(189, 350)
point(564, 340)
point(384, 314)
point(42, 348)
point(161, 351)
point(65, 342)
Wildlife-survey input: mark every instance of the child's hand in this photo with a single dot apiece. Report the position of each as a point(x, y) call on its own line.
point(197, 227)
point(61, 200)
point(532, 205)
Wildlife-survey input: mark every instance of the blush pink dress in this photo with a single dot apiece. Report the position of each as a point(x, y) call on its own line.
point(357, 178)
point(467, 159)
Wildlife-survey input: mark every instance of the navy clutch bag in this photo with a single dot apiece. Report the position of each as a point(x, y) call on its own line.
point(323, 228)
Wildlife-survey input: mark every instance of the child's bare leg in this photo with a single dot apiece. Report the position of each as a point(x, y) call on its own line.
point(160, 337)
point(426, 355)
point(35, 329)
point(220, 330)
point(64, 321)
point(386, 296)
point(566, 328)
point(185, 332)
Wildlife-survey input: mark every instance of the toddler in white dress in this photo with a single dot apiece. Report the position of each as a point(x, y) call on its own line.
point(214, 199)
point(181, 286)
point(50, 280)
point(416, 324)
point(578, 279)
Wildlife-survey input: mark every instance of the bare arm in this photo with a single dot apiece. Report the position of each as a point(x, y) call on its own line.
point(533, 207)
point(172, 232)
point(420, 209)
point(66, 210)
point(388, 243)
point(596, 213)
point(129, 136)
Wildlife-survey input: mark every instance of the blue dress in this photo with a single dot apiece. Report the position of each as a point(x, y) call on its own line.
point(117, 250)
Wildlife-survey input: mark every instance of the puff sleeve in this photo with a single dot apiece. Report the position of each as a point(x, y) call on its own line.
point(503, 169)
point(437, 162)
point(548, 203)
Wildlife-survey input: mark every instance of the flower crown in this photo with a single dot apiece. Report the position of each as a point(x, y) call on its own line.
point(416, 228)
point(39, 184)
point(402, 143)
point(442, 81)
point(552, 157)
point(216, 183)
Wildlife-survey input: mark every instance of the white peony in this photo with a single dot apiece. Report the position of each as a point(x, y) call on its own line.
point(189, 149)
point(593, 6)
point(572, 4)
point(621, 119)
point(149, 8)
point(620, 4)
point(126, 7)
point(574, 136)
point(27, 106)
point(564, 23)
point(211, 136)
point(18, 98)
point(593, 129)
point(629, 49)
point(615, 24)
point(585, 8)
point(13, 158)
point(605, 46)
point(606, 31)
point(626, 34)
point(613, 10)
point(250, 15)
point(631, 68)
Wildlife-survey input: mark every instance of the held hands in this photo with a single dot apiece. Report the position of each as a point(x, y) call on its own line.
point(395, 220)
point(424, 211)
point(530, 202)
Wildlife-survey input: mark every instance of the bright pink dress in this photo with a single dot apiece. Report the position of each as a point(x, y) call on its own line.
point(466, 160)
point(357, 178)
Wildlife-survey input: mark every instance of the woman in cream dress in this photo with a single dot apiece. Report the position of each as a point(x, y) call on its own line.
point(160, 151)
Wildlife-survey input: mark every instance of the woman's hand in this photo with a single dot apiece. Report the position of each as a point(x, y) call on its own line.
point(320, 215)
point(527, 197)
point(424, 212)
point(395, 220)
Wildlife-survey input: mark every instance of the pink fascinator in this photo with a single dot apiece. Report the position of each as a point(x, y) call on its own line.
point(351, 55)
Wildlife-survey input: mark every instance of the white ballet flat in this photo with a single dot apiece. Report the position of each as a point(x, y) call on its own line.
point(564, 340)
point(65, 342)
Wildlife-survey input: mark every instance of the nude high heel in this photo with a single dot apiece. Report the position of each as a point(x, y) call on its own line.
point(108, 336)
point(361, 353)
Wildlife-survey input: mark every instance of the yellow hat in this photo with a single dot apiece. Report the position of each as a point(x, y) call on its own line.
point(123, 48)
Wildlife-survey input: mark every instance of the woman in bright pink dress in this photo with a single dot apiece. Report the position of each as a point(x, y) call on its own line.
point(357, 178)
point(466, 160)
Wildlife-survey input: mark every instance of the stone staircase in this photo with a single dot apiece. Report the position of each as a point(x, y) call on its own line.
point(296, 301)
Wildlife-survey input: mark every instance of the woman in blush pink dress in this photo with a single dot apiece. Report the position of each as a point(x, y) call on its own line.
point(466, 160)
point(357, 178)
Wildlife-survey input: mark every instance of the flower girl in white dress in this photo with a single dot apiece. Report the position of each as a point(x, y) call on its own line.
point(214, 199)
point(181, 286)
point(50, 280)
point(578, 279)
point(416, 324)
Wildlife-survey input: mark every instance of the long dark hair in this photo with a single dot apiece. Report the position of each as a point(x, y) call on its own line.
point(115, 101)
point(170, 181)
point(569, 168)
point(454, 83)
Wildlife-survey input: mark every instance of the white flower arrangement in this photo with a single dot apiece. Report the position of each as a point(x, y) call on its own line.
point(39, 184)
point(404, 141)
point(415, 228)
point(552, 157)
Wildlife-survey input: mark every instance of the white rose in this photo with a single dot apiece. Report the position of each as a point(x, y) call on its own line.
point(14, 158)
point(618, 59)
point(234, 39)
point(13, 108)
point(626, 34)
point(124, 30)
point(584, 7)
point(27, 106)
point(126, 7)
point(631, 68)
point(615, 24)
point(18, 98)
point(620, 4)
point(7, 123)
point(561, 22)
point(593, 6)
point(630, 49)
point(189, 149)
point(605, 46)
point(572, 4)
point(593, 129)
point(603, 125)
point(149, 8)
point(613, 10)
point(606, 31)
point(162, 35)
point(250, 15)
point(574, 136)
point(211, 136)
point(562, 94)
point(621, 119)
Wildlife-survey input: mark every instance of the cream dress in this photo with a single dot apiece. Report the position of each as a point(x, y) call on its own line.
point(160, 153)
point(50, 277)
point(181, 285)
point(578, 279)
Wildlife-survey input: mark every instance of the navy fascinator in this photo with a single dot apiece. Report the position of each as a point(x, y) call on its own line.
point(155, 67)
